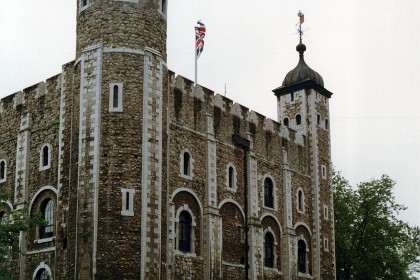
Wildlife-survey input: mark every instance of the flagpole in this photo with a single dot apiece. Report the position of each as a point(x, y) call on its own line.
point(195, 54)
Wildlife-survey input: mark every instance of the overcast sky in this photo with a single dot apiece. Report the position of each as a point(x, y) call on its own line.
point(366, 51)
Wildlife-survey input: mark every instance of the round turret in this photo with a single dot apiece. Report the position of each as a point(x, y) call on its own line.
point(302, 71)
point(131, 24)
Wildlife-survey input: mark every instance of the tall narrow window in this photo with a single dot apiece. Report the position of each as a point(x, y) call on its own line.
point(302, 256)
point(269, 250)
point(127, 202)
point(45, 156)
point(298, 119)
point(84, 3)
point(231, 174)
point(300, 200)
point(163, 7)
point(318, 119)
point(115, 97)
point(326, 124)
point(268, 193)
point(286, 121)
point(2, 171)
point(186, 164)
point(292, 96)
point(47, 211)
point(184, 234)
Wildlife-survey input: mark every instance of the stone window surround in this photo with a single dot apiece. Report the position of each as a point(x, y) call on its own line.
point(234, 177)
point(296, 119)
point(324, 172)
point(42, 265)
point(163, 10)
point(326, 216)
point(120, 97)
point(191, 165)
point(2, 180)
point(275, 207)
point(275, 244)
point(325, 243)
point(41, 157)
point(41, 195)
point(298, 202)
point(307, 264)
point(193, 225)
point(130, 211)
point(82, 8)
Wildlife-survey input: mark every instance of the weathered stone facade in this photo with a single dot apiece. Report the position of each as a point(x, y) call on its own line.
point(152, 177)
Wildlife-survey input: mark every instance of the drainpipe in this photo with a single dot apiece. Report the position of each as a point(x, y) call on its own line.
point(244, 144)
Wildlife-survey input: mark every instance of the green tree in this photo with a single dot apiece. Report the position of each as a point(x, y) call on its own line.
point(11, 224)
point(371, 242)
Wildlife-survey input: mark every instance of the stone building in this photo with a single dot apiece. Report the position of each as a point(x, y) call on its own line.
point(140, 174)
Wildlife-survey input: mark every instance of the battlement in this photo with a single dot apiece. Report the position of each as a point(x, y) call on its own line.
point(187, 100)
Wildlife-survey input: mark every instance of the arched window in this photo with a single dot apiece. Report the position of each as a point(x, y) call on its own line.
point(286, 121)
point(300, 200)
point(186, 164)
point(268, 193)
point(2, 170)
point(318, 119)
point(42, 274)
point(298, 119)
point(115, 97)
point(302, 256)
point(326, 124)
point(231, 177)
point(269, 250)
point(47, 211)
point(184, 235)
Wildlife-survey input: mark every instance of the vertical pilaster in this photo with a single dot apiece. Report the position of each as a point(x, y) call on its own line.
point(88, 181)
point(212, 219)
point(21, 181)
point(151, 215)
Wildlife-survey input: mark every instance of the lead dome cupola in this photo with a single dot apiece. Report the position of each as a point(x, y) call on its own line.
point(302, 71)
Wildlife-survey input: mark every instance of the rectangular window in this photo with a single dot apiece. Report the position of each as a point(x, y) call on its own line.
point(324, 171)
point(127, 202)
point(325, 212)
point(326, 249)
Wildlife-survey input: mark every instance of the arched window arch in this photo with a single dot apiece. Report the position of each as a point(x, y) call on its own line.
point(45, 157)
point(300, 201)
point(47, 212)
point(326, 124)
point(42, 274)
point(318, 119)
point(268, 250)
point(302, 256)
point(286, 121)
point(184, 233)
point(3, 170)
point(268, 193)
point(298, 119)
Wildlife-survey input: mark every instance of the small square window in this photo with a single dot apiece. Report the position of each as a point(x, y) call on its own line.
point(127, 202)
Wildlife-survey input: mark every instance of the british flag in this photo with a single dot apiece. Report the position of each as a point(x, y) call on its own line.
point(200, 33)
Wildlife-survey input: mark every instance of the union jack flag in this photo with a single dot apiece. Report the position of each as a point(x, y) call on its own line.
point(200, 33)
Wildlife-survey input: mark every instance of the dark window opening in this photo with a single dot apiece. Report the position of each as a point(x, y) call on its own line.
point(318, 119)
point(268, 193)
point(300, 201)
point(326, 123)
point(2, 170)
point(231, 174)
point(302, 256)
point(127, 201)
point(164, 7)
point(45, 152)
point(184, 232)
point(47, 211)
point(269, 250)
point(42, 275)
point(84, 3)
point(186, 164)
point(292, 96)
point(298, 119)
point(115, 97)
point(286, 121)
point(2, 213)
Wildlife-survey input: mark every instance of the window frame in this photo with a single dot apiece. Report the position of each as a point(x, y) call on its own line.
point(302, 257)
point(127, 207)
point(298, 118)
point(273, 250)
point(266, 195)
point(231, 179)
point(120, 88)
point(3, 169)
point(43, 167)
point(300, 201)
point(48, 217)
point(192, 231)
point(190, 174)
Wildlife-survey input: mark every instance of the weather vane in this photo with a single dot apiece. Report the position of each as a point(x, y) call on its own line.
point(301, 20)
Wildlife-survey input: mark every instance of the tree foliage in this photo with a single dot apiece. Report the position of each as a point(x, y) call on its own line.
point(371, 242)
point(11, 224)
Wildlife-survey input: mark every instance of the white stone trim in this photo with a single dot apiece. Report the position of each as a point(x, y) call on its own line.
point(193, 225)
point(35, 197)
point(44, 250)
point(123, 50)
point(190, 166)
point(41, 157)
point(275, 218)
point(227, 200)
point(7, 203)
point(87, 6)
point(163, 11)
point(298, 202)
point(304, 225)
point(2, 180)
point(275, 246)
point(190, 192)
point(326, 212)
point(44, 240)
point(324, 172)
point(130, 211)
point(129, 1)
point(42, 265)
point(234, 179)
point(120, 87)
